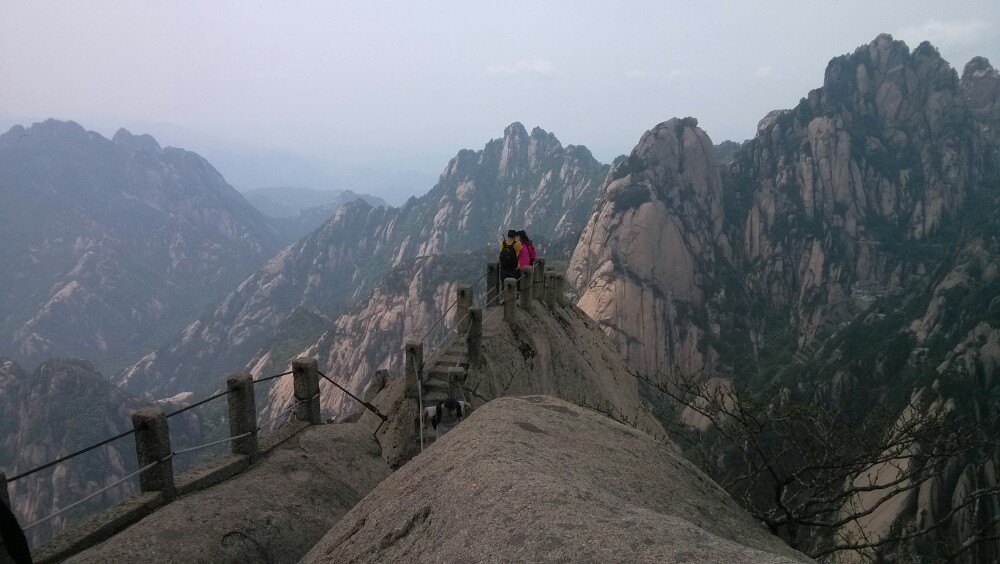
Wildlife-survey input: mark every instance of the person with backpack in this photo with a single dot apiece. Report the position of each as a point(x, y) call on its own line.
point(510, 249)
point(445, 415)
point(526, 256)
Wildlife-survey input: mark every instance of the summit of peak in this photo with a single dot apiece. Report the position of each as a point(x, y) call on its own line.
point(515, 129)
point(128, 140)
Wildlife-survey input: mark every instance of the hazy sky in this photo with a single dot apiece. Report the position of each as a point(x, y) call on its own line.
point(405, 85)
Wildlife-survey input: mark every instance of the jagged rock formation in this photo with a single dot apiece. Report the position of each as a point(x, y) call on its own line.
point(109, 245)
point(522, 179)
point(884, 152)
point(981, 88)
point(865, 210)
point(645, 261)
point(536, 478)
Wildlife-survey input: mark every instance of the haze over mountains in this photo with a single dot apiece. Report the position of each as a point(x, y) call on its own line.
point(865, 215)
point(108, 244)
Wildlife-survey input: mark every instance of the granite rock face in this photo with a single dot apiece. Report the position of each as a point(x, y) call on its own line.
point(807, 217)
point(537, 478)
point(867, 209)
point(646, 255)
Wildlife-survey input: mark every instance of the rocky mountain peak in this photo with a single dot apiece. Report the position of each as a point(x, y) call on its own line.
point(44, 132)
point(645, 256)
point(515, 130)
point(981, 85)
point(130, 142)
point(522, 154)
point(885, 82)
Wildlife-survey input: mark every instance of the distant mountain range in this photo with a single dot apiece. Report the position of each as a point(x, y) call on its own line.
point(285, 202)
point(300, 211)
point(111, 244)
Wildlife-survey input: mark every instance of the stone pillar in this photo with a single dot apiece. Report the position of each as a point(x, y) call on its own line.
point(559, 284)
point(539, 276)
point(492, 283)
point(474, 340)
point(509, 299)
point(305, 381)
point(463, 301)
point(242, 414)
point(527, 284)
point(413, 366)
point(551, 288)
point(152, 444)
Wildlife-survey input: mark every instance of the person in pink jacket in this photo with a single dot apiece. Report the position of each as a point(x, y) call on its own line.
point(526, 255)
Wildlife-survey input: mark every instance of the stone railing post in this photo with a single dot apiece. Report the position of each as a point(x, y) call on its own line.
point(305, 382)
point(558, 285)
point(152, 444)
point(527, 284)
point(493, 283)
point(474, 340)
point(242, 414)
point(413, 365)
point(463, 301)
point(538, 275)
point(551, 287)
point(509, 299)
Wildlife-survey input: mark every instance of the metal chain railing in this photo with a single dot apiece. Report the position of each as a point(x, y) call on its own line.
point(124, 434)
point(95, 494)
point(172, 454)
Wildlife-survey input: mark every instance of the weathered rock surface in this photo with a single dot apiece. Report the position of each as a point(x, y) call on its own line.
point(109, 245)
point(645, 259)
point(536, 478)
point(854, 248)
point(271, 513)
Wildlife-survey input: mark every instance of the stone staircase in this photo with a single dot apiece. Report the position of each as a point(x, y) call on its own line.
point(444, 374)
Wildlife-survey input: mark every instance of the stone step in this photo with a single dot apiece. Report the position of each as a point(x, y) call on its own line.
point(439, 371)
